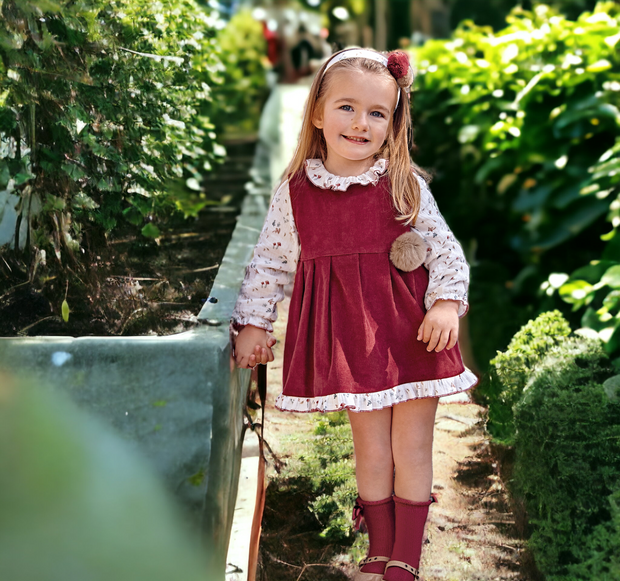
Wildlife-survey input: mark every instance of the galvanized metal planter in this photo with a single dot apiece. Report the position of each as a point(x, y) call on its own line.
point(178, 399)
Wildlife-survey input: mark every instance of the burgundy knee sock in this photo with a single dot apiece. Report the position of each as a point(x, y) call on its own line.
point(410, 519)
point(379, 519)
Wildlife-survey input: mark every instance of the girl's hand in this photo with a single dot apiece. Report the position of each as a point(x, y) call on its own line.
point(253, 346)
point(440, 327)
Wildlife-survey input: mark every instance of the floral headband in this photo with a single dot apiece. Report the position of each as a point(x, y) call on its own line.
point(397, 63)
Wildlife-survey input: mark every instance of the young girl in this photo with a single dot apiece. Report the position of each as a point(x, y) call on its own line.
point(380, 286)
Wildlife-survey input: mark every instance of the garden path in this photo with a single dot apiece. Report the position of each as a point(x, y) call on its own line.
point(471, 536)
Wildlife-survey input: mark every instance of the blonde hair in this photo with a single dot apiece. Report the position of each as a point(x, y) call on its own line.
point(404, 185)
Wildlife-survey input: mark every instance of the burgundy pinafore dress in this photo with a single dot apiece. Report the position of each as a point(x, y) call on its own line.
point(351, 339)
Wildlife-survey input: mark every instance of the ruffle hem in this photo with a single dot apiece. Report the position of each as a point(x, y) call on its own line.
point(367, 402)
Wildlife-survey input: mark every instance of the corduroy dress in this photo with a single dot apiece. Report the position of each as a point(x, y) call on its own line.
point(351, 340)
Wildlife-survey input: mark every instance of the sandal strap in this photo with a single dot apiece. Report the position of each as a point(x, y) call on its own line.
point(406, 567)
point(368, 560)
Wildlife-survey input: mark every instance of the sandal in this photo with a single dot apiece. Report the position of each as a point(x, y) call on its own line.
point(406, 567)
point(362, 576)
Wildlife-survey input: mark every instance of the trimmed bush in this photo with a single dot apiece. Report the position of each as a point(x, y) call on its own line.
point(601, 553)
point(511, 371)
point(567, 465)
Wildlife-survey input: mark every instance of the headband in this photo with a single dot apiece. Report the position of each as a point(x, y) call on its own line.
point(397, 63)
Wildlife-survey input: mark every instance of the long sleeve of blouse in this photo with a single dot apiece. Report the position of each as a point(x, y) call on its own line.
point(447, 268)
point(275, 260)
point(277, 253)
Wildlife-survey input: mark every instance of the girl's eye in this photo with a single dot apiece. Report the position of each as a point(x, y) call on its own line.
point(347, 108)
point(377, 114)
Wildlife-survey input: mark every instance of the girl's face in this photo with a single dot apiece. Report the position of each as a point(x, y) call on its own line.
point(355, 119)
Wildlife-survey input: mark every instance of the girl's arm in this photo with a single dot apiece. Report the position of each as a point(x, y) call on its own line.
point(275, 260)
point(445, 261)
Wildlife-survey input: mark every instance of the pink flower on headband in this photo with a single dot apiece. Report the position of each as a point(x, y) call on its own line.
point(398, 65)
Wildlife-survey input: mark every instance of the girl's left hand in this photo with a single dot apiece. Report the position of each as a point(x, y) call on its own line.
point(440, 327)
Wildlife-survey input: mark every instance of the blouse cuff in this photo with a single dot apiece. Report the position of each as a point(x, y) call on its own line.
point(259, 322)
point(433, 297)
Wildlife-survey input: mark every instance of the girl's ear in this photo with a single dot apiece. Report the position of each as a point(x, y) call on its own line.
point(317, 119)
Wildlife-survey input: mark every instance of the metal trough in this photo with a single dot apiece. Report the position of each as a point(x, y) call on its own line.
point(177, 399)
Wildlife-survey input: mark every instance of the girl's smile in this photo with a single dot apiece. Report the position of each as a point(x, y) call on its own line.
point(356, 117)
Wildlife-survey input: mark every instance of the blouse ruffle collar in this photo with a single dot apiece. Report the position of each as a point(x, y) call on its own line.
point(320, 177)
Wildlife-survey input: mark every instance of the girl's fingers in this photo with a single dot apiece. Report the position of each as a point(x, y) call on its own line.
point(454, 337)
point(434, 339)
point(421, 331)
point(443, 341)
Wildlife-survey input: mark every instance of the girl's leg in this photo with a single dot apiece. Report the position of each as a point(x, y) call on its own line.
point(375, 473)
point(374, 467)
point(413, 424)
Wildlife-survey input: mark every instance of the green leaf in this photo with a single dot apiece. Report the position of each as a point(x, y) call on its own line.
point(612, 388)
point(150, 231)
point(612, 345)
point(599, 66)
point(612, 277)
point(65, 311)
point(593, 272)
point(22, 178)
point(468, 133)
point(576, 292)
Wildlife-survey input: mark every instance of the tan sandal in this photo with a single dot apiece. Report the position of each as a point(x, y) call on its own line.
point(406, 567)
point(362, 576)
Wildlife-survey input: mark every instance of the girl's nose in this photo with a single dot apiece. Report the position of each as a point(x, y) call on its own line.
point(360, 122)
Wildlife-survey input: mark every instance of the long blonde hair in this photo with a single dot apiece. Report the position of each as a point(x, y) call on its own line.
point(404, 185)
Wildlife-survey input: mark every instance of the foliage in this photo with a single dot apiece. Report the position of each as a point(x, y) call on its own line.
point(597, 285)
point(243, 90)
point(512, 369)
point(327, 463)
point(568, 457)
point(515, 124)
point(104, 113)
point(601, 553)
point(493, 12)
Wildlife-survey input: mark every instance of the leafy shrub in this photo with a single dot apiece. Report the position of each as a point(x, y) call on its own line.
point(597, 285)
point(515, 124)
point(327, 464)
point(512, 369)
point(601, 552)
point(568, 456)
point(104, 116)
point(243, 88)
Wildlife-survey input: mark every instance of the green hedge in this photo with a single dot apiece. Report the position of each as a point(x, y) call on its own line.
point(511, 371)
point(560, 400)
point(104, 116)
point(521, 127)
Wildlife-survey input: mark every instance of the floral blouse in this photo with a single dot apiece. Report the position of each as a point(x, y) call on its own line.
point(277, 251)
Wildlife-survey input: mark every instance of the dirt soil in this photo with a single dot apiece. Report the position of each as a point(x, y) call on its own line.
point(131, 285)
point(472, 533)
